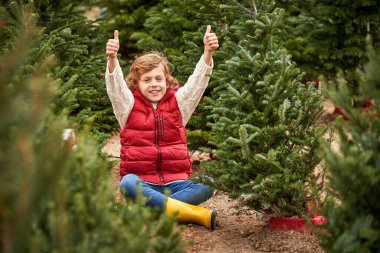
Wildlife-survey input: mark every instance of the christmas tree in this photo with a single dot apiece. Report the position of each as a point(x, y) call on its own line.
point(79, 68)
point(164, 26)
point(262, 117)
point(127, 16)
point(353, 209)
point(327, 36)
point(56, 197)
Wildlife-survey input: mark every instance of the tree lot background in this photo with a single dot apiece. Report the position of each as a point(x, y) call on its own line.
point(258, 118)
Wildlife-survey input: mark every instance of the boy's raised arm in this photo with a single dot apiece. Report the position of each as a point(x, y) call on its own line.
point(189, 95)
point(120, 96)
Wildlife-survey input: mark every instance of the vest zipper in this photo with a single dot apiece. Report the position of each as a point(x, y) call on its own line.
point(157, 146)
point(156, 134)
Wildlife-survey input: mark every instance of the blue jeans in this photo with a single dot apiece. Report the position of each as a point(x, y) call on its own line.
point(184, 190)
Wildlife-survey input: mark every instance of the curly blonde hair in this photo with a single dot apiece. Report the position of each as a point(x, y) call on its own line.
point(146, 63)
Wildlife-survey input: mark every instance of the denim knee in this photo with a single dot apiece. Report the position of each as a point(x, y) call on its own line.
point(206, 192)
point(128, 185)
point(210, 192)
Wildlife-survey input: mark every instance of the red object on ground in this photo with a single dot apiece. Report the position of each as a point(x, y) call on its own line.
point(367, 104)
point(299, 223)
point(319, 220)
point(287, 223)
point(339, 111)
point(294, 223)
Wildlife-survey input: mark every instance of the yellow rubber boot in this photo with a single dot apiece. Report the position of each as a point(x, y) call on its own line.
point(190, 213)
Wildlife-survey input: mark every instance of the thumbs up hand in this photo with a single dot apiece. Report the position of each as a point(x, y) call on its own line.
point(112, 46)
point(210, 41)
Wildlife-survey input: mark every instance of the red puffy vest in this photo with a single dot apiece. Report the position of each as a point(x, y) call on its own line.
point(153, 141)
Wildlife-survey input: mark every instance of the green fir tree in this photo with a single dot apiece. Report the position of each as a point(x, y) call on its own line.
point(164, 27)
point(79, 69)
point(75, 42)
point(262, 117)
point(127, 16)
point(353, 209)
point(328, 36)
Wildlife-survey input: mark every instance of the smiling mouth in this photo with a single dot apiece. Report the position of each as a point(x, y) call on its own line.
point(154, 92)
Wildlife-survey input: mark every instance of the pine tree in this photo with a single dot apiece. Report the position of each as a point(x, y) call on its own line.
point(164, 26)
point(328, 36)
point(55, 198)
point(74, 41)
point(353, 209)
point(262, 118)
point(127, 16)
point(80, 68)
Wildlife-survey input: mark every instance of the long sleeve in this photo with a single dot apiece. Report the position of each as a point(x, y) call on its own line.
point(189, 95)
point(121, 97)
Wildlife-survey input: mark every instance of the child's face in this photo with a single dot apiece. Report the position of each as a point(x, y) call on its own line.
point(152, 84)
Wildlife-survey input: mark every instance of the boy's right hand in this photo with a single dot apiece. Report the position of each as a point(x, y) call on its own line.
point(113, 46)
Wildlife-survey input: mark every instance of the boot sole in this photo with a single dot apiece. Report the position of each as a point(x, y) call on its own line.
point(213, 219)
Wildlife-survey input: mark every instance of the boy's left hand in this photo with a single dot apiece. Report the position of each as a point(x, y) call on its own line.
point(210, 41)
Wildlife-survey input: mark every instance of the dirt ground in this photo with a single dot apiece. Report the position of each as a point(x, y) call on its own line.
point(240, 229)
